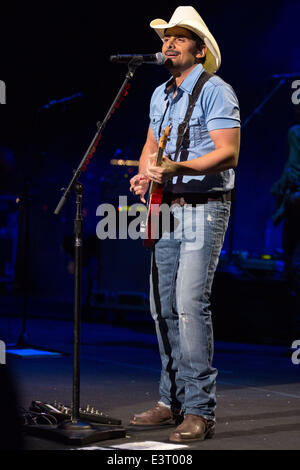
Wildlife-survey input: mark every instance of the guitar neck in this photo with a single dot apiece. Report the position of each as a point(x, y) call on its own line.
point(160, 153)
point(153, 185)
point(159, 157)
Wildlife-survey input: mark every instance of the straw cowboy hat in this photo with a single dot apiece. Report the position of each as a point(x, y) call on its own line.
point(187, 17)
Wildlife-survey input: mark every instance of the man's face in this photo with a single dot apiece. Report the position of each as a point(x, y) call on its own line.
point(180, 49)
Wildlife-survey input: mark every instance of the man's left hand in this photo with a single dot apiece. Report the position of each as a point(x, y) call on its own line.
point(161, 174)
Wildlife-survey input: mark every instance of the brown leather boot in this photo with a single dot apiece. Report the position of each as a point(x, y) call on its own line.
point(193, 428)
point(157, 415)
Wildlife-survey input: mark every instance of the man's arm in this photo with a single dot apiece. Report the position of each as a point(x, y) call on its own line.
point(225, 156)
point(140, 182)
point(150, 148)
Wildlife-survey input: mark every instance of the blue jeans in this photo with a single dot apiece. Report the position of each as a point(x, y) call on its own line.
point(183, 264)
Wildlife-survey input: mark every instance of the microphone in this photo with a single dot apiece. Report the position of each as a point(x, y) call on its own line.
point(158, 58)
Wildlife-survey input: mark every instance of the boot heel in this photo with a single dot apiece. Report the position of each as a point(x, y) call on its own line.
point(210, 433)
point(178, 419)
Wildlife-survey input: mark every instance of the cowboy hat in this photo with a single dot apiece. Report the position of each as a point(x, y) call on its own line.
point(187, 17)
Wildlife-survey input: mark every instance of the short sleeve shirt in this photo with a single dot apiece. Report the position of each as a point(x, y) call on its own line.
point(217, 107)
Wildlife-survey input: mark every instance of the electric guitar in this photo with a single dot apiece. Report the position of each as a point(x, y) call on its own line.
point(151, 227)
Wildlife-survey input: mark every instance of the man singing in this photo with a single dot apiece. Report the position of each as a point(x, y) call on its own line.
point(198, 173)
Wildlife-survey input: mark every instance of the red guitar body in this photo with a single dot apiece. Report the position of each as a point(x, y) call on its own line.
point(152, 226)
point(155, 198)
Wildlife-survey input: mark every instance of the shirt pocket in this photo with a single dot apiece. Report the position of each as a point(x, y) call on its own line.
point(195, 131)
point(192, 136)
point(156, 121)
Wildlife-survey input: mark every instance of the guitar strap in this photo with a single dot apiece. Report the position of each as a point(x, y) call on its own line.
point(183, 126)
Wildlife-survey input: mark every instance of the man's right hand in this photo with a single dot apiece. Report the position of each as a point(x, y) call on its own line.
point(139, 185)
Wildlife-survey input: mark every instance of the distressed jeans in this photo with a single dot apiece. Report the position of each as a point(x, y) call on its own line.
point(183, 264)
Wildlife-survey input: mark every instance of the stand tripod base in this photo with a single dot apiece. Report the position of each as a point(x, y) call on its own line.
point(75, 432)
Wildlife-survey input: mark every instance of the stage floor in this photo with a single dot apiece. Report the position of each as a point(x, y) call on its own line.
point(258, 387)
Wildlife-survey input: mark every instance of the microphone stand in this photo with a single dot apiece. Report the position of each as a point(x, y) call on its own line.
point(79, 429)
point(247, 120)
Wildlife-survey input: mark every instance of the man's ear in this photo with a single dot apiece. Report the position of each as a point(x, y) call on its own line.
point(201, 53)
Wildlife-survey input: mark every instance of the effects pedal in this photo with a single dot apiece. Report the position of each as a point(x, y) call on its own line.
point(90, 414)
point(62, 413)
point(58, 411)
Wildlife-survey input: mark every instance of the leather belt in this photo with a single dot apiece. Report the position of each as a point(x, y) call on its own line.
point(195, 198)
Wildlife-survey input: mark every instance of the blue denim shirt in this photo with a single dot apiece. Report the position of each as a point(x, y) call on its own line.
point(216, 108)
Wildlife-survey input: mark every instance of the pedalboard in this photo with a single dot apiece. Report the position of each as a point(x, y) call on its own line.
point(62, 413)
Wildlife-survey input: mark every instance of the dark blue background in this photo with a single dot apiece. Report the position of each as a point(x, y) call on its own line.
point(53, 50)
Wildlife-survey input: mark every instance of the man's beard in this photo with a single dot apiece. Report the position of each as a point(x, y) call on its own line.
point(173, 68)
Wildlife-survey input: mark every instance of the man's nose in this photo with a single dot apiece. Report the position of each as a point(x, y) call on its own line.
point(171, 42)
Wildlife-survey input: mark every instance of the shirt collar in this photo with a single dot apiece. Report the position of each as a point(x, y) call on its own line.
point(188, 83)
